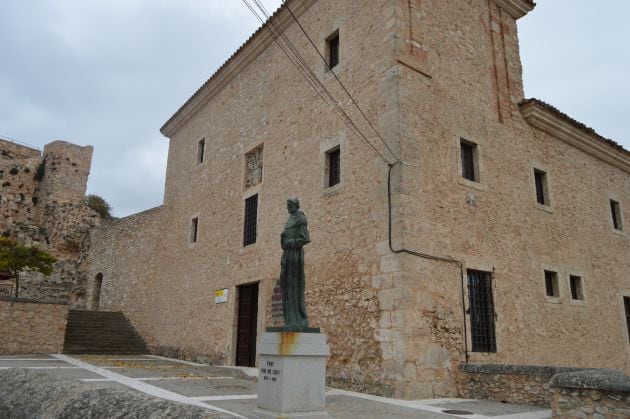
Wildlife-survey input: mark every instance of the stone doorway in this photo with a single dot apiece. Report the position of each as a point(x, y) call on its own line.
point(247, 325)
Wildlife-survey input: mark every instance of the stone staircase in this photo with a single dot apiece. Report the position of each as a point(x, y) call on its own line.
point(101, 332)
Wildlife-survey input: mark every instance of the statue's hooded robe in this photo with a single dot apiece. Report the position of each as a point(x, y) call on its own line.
point(294, 236)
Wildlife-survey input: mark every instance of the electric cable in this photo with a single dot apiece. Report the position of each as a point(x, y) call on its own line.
point(308, 73)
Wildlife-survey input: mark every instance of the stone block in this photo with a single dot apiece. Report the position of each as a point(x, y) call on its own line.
point(292, 374)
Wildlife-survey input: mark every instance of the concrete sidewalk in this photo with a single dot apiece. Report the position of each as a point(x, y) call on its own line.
point(232, 390)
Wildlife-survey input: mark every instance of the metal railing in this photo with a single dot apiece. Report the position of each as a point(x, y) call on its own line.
point(6, 290)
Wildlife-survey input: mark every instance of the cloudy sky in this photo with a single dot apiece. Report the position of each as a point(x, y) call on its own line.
point(109, 73)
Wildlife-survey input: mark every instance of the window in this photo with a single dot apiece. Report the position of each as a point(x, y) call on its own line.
point(575, 283)
point(542, 192)
point(626, 304)
point(333, 163)
point(333, 50)
point(201, 150)
point(551, 284)
point(470, 168)
point(194, 225)
point(615, 212)
point(251, 215)
point(481, 310)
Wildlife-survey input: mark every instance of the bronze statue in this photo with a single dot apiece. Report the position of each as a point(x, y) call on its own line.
point(292, 279)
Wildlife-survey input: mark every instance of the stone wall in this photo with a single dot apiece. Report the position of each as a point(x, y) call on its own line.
point(35, 394)
point(18, 188)
point(31, 327)
point(593, 394)
point(42, 203)
point(520, 384)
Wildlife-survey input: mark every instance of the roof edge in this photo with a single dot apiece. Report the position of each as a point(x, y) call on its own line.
point(516, 8)
point(550, 120)
point(237, 62)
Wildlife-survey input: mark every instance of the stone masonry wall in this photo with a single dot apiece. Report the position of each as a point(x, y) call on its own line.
point(18, 189)
point(42, 203)
point(519, 384)
point(590, 394)
point(31, 327)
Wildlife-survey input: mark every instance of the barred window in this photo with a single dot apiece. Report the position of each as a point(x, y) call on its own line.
point(481, 310)
point(251, 215)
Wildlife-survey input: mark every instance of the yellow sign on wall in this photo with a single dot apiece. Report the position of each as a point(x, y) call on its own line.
point(221, 296)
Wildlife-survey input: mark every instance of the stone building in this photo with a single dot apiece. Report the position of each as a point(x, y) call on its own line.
point(456, 223)
point(42, 202)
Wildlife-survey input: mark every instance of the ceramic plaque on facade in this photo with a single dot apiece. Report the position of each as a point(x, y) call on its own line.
point(254, 167)
point(221, 296)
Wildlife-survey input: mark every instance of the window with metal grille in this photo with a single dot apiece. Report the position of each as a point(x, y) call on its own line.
point(469, 156)
point(333, 50)
point(481, 311)
point(334, 167)
point(194, 225)
point(251, 215)
point(615, 212)
point(575, 283)
point(551, 284)
point(542, 194)
point(201, 150)
point(626, 304)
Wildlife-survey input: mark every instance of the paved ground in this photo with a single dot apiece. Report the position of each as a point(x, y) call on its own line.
point(233, 390)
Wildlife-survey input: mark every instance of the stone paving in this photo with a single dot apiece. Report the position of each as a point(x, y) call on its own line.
point(232, 390)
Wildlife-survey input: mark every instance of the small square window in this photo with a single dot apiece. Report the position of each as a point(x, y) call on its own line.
point(615, 212)
point(542, 190)
point(250, 221)
point(575, 283)
point(333, 166)
point(332, 45)
point(551, 284)
point(201, 150)
point(194, 226)
point(470, 166)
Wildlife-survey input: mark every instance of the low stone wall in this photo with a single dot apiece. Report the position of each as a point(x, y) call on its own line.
point(590, 394)
point(28, 326)
point(35, 394)
point(521, 384)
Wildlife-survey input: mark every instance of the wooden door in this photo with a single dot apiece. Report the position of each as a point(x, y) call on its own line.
point(246, 327)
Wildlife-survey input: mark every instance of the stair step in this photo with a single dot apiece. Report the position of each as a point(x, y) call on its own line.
point(100, 332)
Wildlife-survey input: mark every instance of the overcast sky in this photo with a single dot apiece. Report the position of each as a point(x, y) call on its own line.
point(109, 73)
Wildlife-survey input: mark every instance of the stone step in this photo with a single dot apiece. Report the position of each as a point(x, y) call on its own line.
point(99, 332)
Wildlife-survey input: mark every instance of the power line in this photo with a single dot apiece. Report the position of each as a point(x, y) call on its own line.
point(307, 73)
point(340, 83)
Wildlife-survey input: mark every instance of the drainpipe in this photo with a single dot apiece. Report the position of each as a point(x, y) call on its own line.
point(459, 263)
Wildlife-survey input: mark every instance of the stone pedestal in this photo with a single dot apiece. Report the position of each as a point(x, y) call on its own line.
point(292, 374)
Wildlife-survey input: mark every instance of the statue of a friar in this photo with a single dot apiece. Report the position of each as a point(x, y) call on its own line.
point(293, 238)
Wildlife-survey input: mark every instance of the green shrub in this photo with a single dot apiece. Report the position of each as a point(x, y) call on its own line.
point(98, 204)
point(40, 172)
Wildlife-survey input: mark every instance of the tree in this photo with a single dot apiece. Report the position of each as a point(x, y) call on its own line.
point(99, 205)
point(15, 258)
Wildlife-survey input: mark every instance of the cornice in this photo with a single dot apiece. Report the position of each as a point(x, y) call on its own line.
point(239, 61)
point(553, 124)
point(516, 8)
